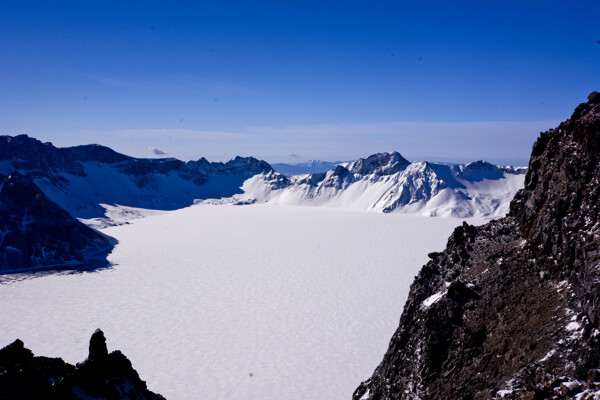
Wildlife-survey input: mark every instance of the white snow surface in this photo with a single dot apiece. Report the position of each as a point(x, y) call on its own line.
point(255, 302)
point(431, 300)
point(474, 190)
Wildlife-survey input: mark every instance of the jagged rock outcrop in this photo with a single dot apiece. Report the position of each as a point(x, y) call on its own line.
point(511, 309)
point(36, 232)
point(103, 375)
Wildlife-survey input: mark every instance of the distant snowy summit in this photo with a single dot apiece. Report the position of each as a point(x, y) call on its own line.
point(308, 167)
point(387, 182)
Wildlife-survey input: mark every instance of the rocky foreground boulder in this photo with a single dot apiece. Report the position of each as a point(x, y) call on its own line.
point(511, 309)
point(103, 375)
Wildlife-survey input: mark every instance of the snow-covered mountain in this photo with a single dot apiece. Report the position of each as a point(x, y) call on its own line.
point(85, 180)
point(97, 184)
point(388, 182)
point(308, 167)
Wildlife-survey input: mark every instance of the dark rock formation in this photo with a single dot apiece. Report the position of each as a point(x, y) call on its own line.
point(380, 164)
point(102, 376)
point(35, 232)
point(511, 309)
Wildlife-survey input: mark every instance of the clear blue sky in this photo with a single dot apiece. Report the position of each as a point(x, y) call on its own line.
point(290, 81)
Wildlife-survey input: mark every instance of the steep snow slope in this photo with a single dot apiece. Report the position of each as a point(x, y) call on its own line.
point(388, 182)
point(107, 184)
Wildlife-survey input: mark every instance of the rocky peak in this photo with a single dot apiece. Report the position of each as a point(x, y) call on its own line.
point(379, 164)
point(93, 152)
point(511, 309)
point(246, 166)
point(482, 170)
point(480, 164)
point(37, 158)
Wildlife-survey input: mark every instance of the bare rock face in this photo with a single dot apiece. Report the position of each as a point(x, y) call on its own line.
point(511, 309)
point(102, 376)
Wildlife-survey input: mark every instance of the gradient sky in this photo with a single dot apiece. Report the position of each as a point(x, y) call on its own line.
point(288, 81)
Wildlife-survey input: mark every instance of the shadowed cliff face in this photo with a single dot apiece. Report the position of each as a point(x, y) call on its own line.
point(35, 232)
point(512, 308)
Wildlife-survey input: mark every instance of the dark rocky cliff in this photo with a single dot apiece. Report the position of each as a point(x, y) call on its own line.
point(36, 232)
point(103, 375)
point(511, 309)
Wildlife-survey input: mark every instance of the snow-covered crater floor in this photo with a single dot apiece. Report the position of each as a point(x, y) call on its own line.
point(221, 302)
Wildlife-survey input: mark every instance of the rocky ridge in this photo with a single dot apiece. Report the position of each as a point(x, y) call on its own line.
point(511, 309)
point(37, 158)
point(82, 178)
point(103, 375)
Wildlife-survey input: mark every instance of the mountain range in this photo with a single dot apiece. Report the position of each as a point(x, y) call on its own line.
point(81, 178)
point(387, 182)
point(47, 192)
point(86, 180)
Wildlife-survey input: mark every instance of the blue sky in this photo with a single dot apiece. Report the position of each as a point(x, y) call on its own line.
point(289, 81)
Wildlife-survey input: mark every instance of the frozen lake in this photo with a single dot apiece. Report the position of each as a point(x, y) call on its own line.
point(238, 303)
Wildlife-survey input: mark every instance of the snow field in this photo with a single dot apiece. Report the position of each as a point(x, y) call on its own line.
point(237, 303)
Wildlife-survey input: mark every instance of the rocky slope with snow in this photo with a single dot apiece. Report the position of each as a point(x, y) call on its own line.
point(103, 375)
point(387, 182)
point(511, 309)
point(83, 178)
point(35, 232)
